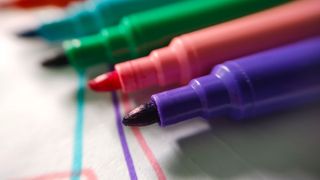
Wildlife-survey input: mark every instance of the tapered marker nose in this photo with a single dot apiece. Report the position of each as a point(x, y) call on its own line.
point(105, 82)
point(32, 33)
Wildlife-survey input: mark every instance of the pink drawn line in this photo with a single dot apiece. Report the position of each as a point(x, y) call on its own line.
point(138, 135)
point(87, 173)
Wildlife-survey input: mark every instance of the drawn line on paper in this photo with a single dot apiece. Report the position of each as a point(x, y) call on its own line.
point(124, 144)
point(88, 173)
point(77, 172)
point(142, 142)
point(78, 131)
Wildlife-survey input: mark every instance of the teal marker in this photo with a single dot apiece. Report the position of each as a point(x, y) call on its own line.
point(90, 17)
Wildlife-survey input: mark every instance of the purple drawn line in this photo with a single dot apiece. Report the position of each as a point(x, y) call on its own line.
point(142, 142)
point(125, 148)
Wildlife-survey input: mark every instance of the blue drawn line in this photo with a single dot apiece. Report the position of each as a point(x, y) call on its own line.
point(78, 131)
point(124, 144)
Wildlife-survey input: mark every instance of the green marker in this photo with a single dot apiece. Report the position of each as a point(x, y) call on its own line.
point(140, 33)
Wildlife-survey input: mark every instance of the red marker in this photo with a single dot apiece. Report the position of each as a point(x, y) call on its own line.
point(36, 3)
point(194, 54)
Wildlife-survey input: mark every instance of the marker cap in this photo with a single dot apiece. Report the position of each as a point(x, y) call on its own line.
point(85, 23)
point(58, 30)
point(193, 101)
point(149, 71)
point(106, 47)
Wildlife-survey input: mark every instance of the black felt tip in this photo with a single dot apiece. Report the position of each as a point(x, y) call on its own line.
point(29, 34)
point(59, 60)
point(143, 115)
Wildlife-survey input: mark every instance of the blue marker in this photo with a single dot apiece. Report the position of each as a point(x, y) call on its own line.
point(90, 17)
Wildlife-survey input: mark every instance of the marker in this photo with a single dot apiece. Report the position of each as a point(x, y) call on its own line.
point(138, 34)
point(90, 18)
point(194, 54)
point(254, 85)
point(36, 3)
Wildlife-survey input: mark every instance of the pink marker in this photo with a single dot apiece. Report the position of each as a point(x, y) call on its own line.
point(194, 54)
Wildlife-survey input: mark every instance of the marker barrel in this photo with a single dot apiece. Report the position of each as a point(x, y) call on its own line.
point(253, 85)
point(194, 54)
point(140, 33)
point(92, 16)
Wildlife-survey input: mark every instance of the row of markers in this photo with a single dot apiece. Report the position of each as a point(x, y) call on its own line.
point(255, 57)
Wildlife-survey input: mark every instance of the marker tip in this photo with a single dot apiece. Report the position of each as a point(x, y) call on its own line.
point(57, 61)
point(143, 115)
point(29, 34)
point(105, 82)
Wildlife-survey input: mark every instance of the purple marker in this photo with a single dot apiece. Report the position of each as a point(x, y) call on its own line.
point(254, 85)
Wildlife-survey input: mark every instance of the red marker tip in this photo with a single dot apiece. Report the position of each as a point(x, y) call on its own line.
point(105, 82)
